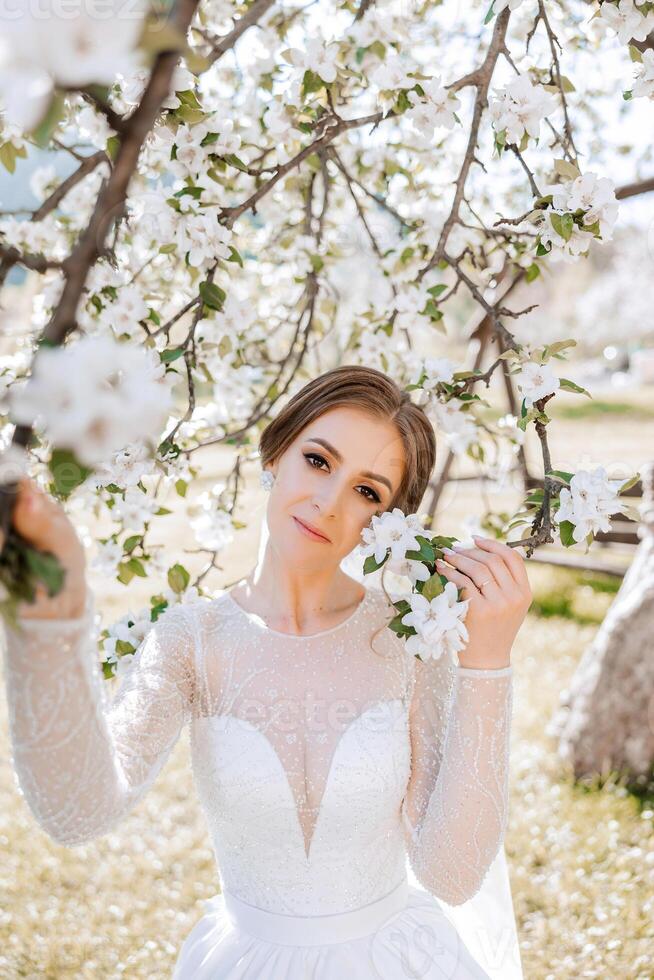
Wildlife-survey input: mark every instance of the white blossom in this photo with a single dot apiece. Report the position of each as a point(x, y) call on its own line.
point(119, 395)
point(278, 122)
point(456, 423)
point(132, 628)
point(107, 558)
point(213, 527)
point(592, 194)
point(436, 369)
point(391, 74)
point(439, 623)
point(436, 109)
point(627, 20)
point(126, 467)
point(227, 140)
point(134, 509)
point(37, 51)
point(203, 237)
point(589, 502)
point(123, 315)
point(394, 530)
point(317, 57)
point(644, 80)
point(535, 381)
point(415, 571)
point(520, 107)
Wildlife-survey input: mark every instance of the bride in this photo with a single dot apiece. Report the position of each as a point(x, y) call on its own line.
point(356, 796)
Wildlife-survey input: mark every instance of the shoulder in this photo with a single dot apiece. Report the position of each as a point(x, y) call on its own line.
point(177, 624)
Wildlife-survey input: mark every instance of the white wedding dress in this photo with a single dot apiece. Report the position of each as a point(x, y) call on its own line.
point(357, 800)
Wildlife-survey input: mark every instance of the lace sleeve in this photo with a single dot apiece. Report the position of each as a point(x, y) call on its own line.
point(83, 761)
point(456, 807)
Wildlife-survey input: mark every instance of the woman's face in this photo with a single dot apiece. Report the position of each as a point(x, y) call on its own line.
point(325, 477)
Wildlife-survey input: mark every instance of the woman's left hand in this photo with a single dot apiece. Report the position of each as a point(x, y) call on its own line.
point(493, 577)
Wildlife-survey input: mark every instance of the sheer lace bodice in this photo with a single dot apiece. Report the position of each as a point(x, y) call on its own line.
point(320, 764)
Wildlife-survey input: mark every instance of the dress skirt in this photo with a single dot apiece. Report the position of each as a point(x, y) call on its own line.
point(403, 934)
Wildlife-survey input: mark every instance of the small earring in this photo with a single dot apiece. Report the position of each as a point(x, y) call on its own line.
point(267, 478)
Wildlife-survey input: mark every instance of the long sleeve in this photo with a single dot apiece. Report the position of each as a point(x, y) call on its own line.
point(455, 811)
point(83, 761)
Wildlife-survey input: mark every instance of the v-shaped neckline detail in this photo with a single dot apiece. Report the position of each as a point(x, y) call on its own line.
point(382, 703)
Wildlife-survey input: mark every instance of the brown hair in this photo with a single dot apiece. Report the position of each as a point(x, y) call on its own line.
point(380, 396)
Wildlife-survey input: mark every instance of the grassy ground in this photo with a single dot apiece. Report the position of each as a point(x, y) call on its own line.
point(581, 861)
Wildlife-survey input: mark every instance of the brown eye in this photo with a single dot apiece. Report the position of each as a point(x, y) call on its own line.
point(374, 496)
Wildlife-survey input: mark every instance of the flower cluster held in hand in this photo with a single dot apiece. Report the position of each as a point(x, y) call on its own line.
point(431, 617)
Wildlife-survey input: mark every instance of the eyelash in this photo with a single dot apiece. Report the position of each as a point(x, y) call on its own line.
point(375, 499)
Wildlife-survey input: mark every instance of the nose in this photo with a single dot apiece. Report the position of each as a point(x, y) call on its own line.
point(325, 501)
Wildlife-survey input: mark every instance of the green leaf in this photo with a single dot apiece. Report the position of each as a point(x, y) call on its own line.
point(562, 475)
point(559, 345)
point(112, 146)
point(171, 354)
point(562, 225)
point(532, 272)
point(311, 82)
point(370, 565)
point(490, 13)
point(123, 647)
point(181, 487)
point(635, 53)
point(433, 587)
point(67, 472)
point(46, 567)
point(178, 578)
point(568, 385)
point(189, 98)
point(629, 483)
point(135, 565)
point(212, 295)
point(566, 169)
point(566, 529)
point(426, 552)
point(431, 310)
point(234, 256)
point(125, 573)
point(8, 157)
point(42, 132)
point(130, 543)
point(161, 511)
point(161, 35)
point(566, 84)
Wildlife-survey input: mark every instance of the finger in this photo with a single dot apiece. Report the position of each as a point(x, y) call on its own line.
point(463, 581)
point(482, 567)
point(514, 562)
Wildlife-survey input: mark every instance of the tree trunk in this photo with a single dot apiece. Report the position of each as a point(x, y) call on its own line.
point(605, 720)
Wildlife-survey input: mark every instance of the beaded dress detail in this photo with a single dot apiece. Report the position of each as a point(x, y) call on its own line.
point(332, 774)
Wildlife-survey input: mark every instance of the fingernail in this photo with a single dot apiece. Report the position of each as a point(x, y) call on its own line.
point(447, 551)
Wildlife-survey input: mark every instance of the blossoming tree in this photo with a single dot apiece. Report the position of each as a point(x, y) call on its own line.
point(228, 161)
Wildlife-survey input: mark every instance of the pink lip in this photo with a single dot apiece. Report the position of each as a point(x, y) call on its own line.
point(310, 531)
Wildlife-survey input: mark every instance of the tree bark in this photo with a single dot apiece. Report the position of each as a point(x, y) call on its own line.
point(605, 720)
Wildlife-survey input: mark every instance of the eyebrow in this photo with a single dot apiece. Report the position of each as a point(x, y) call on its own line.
point(335, 453)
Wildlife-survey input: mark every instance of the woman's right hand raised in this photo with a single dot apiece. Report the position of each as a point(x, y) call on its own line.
point(43, 523)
